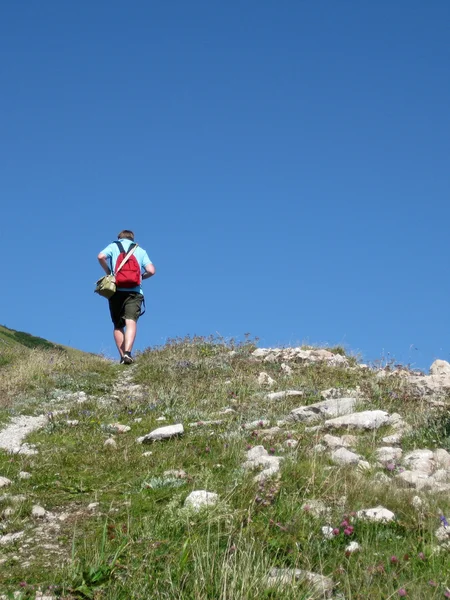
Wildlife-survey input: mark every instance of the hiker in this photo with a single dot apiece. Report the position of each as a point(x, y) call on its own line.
point(125, 305)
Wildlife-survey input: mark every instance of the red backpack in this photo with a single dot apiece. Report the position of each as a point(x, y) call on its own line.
point(129, 275)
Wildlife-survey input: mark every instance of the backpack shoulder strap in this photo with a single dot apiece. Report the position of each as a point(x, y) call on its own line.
point(121, 248)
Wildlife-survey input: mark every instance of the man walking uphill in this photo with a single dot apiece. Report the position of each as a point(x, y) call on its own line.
point(125, 305)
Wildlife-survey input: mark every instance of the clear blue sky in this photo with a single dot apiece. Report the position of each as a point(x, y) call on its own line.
point(284, 164)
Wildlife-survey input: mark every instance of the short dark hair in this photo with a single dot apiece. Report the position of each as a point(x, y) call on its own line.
point(127, 234)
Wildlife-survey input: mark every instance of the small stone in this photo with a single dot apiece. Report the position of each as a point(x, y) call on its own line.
point(148, 453)
point(93, 505)
point(378, 514)
point(176, 473)
point(342, 456)
point(388, 454)
point(72, 423)
point(138, 419)
point(9, 538)
point(261, 423)
point(412, 479)
point(369, 419)
point(353, 547)
point(162, 433)
point(8, 511)
point(322, 587)
point(38, 512)
point(442, 458)
point(24, 475)
point(286, 369)
point(110, 443)
point(283, 395)
point(162, 418)
point(4, 482)
point(119, 428)
point(200, 499)
point(265, 379)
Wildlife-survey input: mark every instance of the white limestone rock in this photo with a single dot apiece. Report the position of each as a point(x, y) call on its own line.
point(162, 433)
point(378, 514)
point(4, 482)
point(321, 586)
point(256, 424)
point(442, 458)
point(369, 419)
point(342, 456)
point(258, 457)
point(387, 454)
point(420, 460)
point(333, 407)
point(412, 479)
point(9, 538)
point(38, 512)
point(265, 379)
point(334, 442)
point(272, 396)
point(201, 499)
point(286, 369)
point(110, 444)
point(119, 428)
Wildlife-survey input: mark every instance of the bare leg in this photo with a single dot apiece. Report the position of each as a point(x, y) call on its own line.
point(130, 334)
point(119, 338)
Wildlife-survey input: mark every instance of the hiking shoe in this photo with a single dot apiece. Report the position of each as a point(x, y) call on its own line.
point(121, 361)
point(127, 358)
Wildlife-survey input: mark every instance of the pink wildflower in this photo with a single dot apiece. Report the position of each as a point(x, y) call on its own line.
point(402, 592)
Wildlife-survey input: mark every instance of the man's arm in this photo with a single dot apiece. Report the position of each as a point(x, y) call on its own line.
point(104, 263)
point(149, 271)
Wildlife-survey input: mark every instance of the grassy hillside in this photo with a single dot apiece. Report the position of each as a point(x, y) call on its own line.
point(113, 524)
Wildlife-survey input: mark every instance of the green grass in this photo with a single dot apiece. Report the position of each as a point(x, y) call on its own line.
point(140, 542)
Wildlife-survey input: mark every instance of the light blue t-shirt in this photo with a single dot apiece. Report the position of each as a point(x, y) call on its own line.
point(112, 254)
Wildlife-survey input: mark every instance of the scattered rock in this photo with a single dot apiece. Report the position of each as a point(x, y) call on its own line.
point(369, 419)
point(321, 586)
point(256, 424)
point(333, 442)
point(342, 456)
point(333, 407)
point(162, 433)
point(388, 454)
point(175, 473)
point(286, 369)
point(72, 423)
point(200, 499)
point(4, 482)
point(9, 538)
point(283, 395)
point(118, 428)
point(259, 457)
point(38, 512)
point(110, 443)
point(265, 379)
point(12, 436)
point(206, 423)
point(93, 505)
point(378, 514)
point(148, 453)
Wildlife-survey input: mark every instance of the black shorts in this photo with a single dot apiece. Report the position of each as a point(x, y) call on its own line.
point(125, 305)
